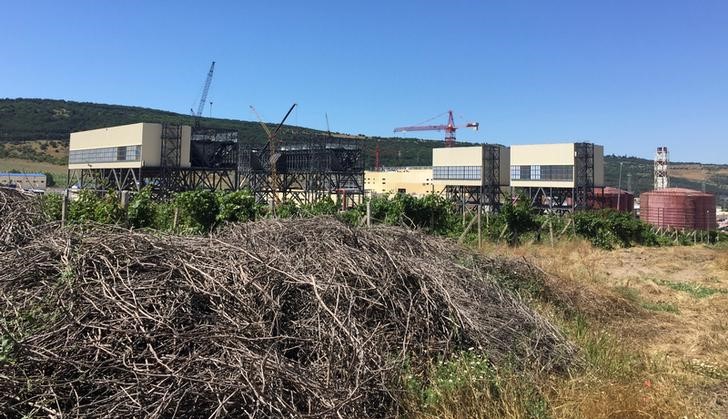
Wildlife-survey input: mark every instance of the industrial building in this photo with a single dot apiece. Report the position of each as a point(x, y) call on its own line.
point(473, 176)
point(28, 181)
point(416, 181)
point(560, 177)
point(170, 158)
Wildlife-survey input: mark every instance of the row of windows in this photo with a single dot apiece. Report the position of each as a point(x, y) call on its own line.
point(543, 172)
point(105, 154)
point(456, 172)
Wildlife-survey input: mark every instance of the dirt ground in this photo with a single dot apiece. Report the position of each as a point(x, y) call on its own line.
point(679, 318)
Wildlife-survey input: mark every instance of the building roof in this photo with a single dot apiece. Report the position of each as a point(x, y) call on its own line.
point(679, 191)
point(21, 174)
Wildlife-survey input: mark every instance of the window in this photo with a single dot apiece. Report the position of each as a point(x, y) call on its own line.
point(105, 154)
point(543, 172)
point(456, 172)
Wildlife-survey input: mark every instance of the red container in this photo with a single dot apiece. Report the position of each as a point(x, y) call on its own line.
point(614, 198)
point(683, 209)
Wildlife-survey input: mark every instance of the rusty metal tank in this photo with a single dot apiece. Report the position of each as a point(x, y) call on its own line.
point(614, 198)
point(679, 208)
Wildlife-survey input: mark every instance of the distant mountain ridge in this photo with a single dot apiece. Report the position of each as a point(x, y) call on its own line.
point(50, 119)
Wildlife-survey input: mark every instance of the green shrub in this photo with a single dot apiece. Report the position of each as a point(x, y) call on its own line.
point(90, 206)
point(52, 205)
point(238, 206)
point(609, 229)
point(197, 210)
point(142, 209)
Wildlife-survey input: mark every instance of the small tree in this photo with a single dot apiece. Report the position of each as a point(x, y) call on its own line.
point(519, 217)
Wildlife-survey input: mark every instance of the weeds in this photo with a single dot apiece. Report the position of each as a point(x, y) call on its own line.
point(633, 295)
point(469, 385)
point(695, 290)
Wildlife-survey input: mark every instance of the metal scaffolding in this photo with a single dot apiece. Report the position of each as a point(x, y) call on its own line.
point(567, 199)
point(487, 195)
point(307, 168)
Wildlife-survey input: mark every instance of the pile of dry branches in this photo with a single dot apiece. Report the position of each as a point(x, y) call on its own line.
point(272, 318)
point(19, 214)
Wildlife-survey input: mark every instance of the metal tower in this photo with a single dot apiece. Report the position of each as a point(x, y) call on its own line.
point(662, 180)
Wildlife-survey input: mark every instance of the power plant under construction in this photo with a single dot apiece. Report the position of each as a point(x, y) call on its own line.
point(303, 168)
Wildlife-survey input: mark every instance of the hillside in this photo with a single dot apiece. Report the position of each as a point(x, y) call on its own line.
point(23, 122)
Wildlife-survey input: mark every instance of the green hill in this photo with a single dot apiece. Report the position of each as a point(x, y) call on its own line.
point(23, 120)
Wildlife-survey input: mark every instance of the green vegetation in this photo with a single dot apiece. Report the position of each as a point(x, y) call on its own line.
point(633, 295)
point(199, 212)
point(469, 385)
point(695, 290)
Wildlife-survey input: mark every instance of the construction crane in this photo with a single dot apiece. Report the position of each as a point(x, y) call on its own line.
point(270, 150)
point(205, 90)
point(449, 128)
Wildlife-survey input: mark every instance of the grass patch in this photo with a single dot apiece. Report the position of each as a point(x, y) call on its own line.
point(469, 385)
point(695, 290)
point(633, 295)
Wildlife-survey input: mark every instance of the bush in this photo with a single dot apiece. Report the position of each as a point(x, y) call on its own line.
point(198, 210)
point(142, 210)
point(608, 229)
point(238, 206)
point(52, 205)
point(90, 206)
point(519, 217)
point(432, 212)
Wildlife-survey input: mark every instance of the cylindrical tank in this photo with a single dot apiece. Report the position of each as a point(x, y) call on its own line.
point(614, 198)
point(679, 208)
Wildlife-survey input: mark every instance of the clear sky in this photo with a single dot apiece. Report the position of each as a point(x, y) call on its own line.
point(631, 75)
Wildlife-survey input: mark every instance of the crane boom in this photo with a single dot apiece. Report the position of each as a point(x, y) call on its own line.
point(205, 90)
point(449, 128)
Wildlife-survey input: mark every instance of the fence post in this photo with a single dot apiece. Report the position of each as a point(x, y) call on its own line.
point(64, 207)
point(369, 212)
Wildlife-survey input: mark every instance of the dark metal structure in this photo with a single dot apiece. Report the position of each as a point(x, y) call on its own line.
point(583, 195)
point(307, 168)
point(488, 194)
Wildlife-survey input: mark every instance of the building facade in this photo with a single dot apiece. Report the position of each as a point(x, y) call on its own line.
point(415, 181)
point(28, 181)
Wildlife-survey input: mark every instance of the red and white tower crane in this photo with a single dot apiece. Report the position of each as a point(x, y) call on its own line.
point(449, 128)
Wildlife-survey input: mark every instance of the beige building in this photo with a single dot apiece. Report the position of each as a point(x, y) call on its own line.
point(464, 166)
point(550, 165)
point(416, 181)
point(128, 146)
point(36, 181)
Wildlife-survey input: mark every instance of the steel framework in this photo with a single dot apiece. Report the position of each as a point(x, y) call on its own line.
point(579, 197)
point(488, 194)
point(307, 168)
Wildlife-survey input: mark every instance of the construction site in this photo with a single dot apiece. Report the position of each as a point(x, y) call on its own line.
point(188, 271)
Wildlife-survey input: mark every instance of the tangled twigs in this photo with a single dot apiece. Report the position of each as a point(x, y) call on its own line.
point(271, 318)
point(19, 216)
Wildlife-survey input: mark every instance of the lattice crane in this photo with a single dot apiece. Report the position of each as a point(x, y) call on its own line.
point(449, 128)
point(205, 91)
point(270, 152)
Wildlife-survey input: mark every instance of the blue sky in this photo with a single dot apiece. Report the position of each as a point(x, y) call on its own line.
point(631, 75)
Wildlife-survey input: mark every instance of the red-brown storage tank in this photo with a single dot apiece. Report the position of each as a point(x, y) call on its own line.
point(613, 198)
point(679, 208)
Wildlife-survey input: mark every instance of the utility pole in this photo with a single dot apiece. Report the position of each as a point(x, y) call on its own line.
point(619, 196)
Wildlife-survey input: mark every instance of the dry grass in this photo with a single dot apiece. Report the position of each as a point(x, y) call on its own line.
point(655, 328)
point(31, 166)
